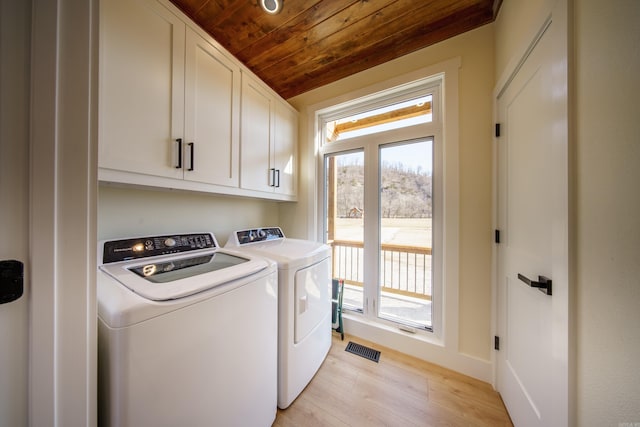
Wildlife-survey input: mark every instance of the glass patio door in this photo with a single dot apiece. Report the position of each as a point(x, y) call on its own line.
point(405, 232)
point(387, 270)
point(381, 162)
point(345, 222)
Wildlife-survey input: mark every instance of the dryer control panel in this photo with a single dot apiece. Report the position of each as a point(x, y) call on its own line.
point(142, 247)
point(254, 235)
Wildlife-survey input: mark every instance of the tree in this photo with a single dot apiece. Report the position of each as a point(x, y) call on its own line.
point(404, 193)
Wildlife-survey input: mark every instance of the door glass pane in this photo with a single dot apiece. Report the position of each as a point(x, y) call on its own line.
point(406, 206)
point(344, 222)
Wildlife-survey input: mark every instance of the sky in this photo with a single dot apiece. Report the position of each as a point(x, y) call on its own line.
point(410, 155)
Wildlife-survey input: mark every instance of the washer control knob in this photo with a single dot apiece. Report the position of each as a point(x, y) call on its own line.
point(170, 242)
point(261, 233)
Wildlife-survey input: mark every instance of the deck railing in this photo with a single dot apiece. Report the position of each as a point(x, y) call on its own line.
point(404, 270)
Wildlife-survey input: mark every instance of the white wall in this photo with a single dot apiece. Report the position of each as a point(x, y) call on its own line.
point(605, 200)
point(125, 212)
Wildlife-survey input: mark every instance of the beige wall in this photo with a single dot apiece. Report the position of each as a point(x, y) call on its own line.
point(475, 49)
point(607, 211)
point(605, 218)
point(124, 212)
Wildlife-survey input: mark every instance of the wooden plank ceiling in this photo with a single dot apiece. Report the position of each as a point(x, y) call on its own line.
point(311, 43)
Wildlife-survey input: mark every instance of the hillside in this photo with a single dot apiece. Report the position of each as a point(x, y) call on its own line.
point(404, 192)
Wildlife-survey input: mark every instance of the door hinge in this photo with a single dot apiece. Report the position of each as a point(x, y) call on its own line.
point(496, 236)
point(496, 342)
point(497, 130)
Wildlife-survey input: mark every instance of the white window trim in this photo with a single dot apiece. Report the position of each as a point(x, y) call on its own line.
point(442, 346)
point(370, 145)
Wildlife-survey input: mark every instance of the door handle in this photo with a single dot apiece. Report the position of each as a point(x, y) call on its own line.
point(11, 280)
point(543, 284)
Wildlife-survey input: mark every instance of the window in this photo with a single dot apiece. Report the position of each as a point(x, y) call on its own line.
point(395, 116)
point(381, 161)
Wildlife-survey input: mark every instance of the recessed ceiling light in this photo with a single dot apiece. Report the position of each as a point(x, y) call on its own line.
point(271, 6)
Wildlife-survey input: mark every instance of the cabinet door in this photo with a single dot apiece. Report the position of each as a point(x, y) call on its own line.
point(141, 87)
point(257, 137)
point(286, 137)
point(212, 104)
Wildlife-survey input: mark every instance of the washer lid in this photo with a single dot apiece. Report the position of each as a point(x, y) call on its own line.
point(176, 276)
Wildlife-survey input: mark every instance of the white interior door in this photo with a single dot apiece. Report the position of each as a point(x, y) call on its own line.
point(532, 219)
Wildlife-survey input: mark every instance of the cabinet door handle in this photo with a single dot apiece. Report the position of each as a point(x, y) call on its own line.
point(272, 177)
point(192, 149)
point(277, 178)
point(179, 141)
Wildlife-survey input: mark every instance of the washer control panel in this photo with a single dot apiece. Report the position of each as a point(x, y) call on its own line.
point(254, 235)
point(142, 247)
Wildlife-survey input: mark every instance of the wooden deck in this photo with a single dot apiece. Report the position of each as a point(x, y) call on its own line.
point(400, 390)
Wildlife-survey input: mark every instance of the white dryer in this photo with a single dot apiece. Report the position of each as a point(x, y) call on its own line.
point(304, 304)
point(187, 333)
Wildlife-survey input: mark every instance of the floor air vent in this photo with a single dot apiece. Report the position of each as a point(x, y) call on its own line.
point(366, 352)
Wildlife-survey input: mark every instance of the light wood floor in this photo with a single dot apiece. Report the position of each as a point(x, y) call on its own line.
point(400, 390)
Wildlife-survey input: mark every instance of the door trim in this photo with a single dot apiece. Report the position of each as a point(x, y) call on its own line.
point(503, 83)
point(63, 201)
point(532, 45)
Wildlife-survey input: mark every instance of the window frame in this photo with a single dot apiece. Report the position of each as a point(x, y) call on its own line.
point(370, 145)
point(436, 230)
point(441, 346)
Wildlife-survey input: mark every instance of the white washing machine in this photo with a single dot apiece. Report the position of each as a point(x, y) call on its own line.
point(304, 328)
point(187, 334)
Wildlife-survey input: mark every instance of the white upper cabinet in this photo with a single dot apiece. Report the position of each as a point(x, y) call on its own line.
point(258, 117)
point(268, 141)
point(285, 150)
point(170, 109)
point(141, 96)
point(212, 106)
